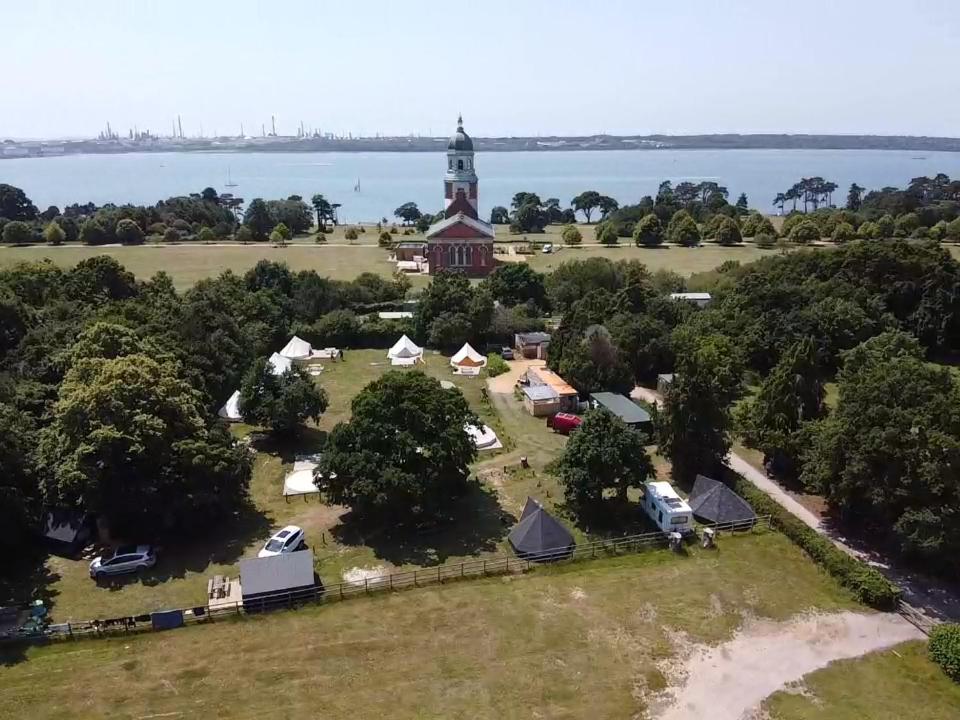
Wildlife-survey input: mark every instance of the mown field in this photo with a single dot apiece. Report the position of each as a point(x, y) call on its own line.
point(586, 639)
point(891, 685)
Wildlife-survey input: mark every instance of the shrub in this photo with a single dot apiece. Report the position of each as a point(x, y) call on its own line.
point(206, 235)
point(764, 240)
point(953, 231)
point(648, 232)
point(843, 232)
point(157, 228)
point(728, 233)
point(905, 225)
point(320, 239)
point(866, 583)
point(944, 649)
point(920, 233)
point(172, 235)
point(54, 234)
point(385, 240)
point(607, 234)
point(869, 231)
point(17, 232)
point(128, 232)
point(805, 232)
point(682, 229)
point(182, 226)
point(243, 234)
point(939, 231)
point(350, 233)
point(571, 235)
point(496, 365)
point(393, 229)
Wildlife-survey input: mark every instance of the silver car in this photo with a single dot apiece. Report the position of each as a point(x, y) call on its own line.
point(125, 559)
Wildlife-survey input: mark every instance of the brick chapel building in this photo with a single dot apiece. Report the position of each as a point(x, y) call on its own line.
point(461, 241)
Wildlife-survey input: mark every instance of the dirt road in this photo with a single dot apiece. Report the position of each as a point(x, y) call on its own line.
point(730, 681)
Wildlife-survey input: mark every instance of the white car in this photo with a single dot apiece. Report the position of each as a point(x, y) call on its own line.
point(286, 540)
point(125, 559)
point(548, 248)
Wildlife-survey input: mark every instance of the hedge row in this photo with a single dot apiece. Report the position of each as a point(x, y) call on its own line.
point(866, 583)
point(945, 649)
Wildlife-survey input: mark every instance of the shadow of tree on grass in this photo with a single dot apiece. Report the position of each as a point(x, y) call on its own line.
point(474, 524)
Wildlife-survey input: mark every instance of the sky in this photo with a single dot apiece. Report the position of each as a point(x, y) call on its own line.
point(518, 67)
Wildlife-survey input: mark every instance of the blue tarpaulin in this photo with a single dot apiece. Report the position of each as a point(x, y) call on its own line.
point(167, 619)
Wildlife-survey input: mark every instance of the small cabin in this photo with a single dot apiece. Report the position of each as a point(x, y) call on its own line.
point(669, 511)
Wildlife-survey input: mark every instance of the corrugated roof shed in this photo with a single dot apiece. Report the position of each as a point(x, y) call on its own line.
point(277, 573)
point(621, 406)
point(540, 392)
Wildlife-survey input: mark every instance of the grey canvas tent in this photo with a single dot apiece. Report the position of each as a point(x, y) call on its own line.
point(714, 502)
point(539, 536)
point(278, 581)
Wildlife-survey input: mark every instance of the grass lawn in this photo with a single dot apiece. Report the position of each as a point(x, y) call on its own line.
point(898, 683)
point(580, 640)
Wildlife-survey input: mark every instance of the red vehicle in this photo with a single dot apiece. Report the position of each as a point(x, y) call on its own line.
point(564, 423)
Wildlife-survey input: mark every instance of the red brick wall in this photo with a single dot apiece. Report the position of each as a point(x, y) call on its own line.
point(482, 258)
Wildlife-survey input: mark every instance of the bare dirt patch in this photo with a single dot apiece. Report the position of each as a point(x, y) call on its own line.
point(729, 681)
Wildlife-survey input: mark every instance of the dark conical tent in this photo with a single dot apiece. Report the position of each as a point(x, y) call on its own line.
point(540, 536)
point(714, 502)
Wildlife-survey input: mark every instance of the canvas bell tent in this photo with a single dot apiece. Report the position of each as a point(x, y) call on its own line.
point(405, 352)
point(468, 361)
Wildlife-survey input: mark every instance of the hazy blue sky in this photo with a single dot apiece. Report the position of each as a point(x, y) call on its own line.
point(519, 67)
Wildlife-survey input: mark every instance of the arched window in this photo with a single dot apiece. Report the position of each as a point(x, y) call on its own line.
point(469, 255)
point(483, 255)
point(450, 163)
point(459, 164)
point(460, 255)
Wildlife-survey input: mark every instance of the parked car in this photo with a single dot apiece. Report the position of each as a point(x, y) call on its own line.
point(286, 540)
point(506, 353)
point(564, 423)
point(125, 559)
point(548, 248)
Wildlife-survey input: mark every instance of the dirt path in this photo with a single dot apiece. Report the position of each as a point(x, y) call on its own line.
point(503, 384)
point(730, 681)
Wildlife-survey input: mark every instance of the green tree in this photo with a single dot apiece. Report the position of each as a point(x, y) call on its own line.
point(408, 213)
point(607, 234)
point(171, 235)
point(869, 231)
point(855, 197)
point(586, 202)
point(594, 364)
point(953, 231)
point(728, 233)
point(765, 239)
point(694, 426)
point(350, 234)
point(648, 232)
point(280, 233)
point(324, 211)
point(282, 402)
point(607, 205)
point(128, 441)
point(499, 215)
point(789, 397)
point(517, 283)
point(571, 235)
point(53, 234)
point(604, 454)
point(404, 454)
point(682, 229)
point(19, 499)
point(939, 231)
point(887, 226)
point(742, 206)
point(128, 232)
point(205, 235)
point(906, 224)
point(258, 219)
point(17, 233)
point(15, 205)
point(888, 455)
point(92, 233)
point(805, 232)
point(843, 232)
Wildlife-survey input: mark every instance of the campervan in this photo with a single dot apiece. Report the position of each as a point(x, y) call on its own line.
point(667, 509)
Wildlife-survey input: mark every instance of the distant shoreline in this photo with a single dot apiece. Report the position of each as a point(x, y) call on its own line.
point(649, 143)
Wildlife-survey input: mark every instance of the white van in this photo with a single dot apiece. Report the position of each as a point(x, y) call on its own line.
point(667, 509)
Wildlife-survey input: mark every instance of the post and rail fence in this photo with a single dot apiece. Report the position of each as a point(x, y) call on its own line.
point(439, 574)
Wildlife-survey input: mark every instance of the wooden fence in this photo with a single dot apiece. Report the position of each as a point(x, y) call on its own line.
point(440, 574)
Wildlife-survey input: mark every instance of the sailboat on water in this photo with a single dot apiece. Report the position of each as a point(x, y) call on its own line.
point(230, 182)
point(356, 188)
